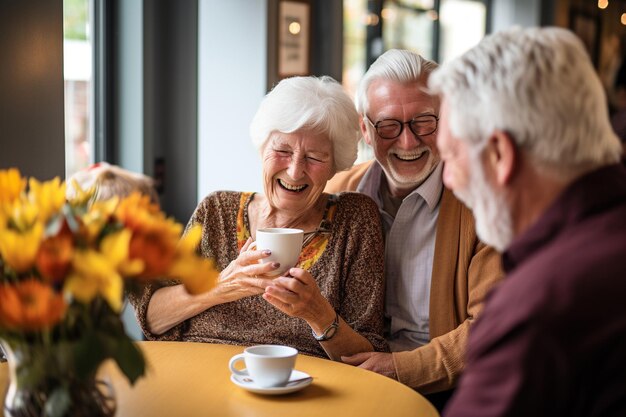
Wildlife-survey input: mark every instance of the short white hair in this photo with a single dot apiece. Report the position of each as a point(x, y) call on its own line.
point(319, 104)
point(538, 85)
point(110, 181)
point(397, 65)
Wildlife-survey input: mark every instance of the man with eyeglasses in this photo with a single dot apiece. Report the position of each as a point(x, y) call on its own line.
point(436, 269)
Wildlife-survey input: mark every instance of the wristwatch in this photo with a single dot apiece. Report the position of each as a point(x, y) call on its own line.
point(328, 332)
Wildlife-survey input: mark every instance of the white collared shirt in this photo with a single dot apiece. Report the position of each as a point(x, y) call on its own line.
point(409, 254)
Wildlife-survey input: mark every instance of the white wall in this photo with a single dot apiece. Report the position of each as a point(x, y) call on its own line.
point(506, 13)
point(232, 51)
point(130, 106)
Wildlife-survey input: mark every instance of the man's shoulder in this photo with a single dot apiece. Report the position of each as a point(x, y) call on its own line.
point(348, 180)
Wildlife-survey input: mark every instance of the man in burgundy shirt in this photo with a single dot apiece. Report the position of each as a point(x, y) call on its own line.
point(526, 140)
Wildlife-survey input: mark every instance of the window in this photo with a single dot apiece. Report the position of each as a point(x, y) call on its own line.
point(437, 30)
point(409, 24)
point(355, 22)
point(463, 24)
point(78, 74)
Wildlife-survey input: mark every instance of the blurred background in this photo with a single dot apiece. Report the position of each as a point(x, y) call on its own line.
point(168, 87)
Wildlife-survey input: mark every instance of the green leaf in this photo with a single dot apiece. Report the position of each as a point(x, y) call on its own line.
point(130, 360)
point(58, 403)
point(88, 355)
point(30, 375)
point(31, 367)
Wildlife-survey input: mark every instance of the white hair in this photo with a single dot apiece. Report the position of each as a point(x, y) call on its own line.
point(394, 65)
point(538, 85)
point(110, 181)
point(319, 104)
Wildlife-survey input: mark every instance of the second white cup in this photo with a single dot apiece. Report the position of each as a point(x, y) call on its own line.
point(267, 365)
point(285, 244)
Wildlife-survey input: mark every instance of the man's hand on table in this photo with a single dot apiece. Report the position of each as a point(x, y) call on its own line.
point(378, 362)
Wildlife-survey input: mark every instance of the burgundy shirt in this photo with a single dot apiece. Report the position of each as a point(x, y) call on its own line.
point(551, 340)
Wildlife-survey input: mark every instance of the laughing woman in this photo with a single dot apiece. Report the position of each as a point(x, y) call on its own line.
point(331, 303)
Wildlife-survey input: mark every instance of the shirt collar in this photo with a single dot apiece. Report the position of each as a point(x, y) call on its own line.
point(430, 190)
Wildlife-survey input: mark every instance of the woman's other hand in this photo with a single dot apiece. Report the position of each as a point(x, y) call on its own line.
point(298, 295)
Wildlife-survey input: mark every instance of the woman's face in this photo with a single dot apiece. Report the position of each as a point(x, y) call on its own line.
point(296, 167)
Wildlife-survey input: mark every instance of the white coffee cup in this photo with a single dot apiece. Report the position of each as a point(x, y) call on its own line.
point(285, 245)
point(267, 365)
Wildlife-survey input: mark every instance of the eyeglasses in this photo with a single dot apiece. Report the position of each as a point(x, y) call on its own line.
point(423, 125)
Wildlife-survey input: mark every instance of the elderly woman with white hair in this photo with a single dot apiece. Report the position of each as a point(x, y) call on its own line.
point(306, 130)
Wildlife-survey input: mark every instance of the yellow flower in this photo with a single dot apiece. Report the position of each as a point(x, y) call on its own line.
point(23, 215)
point(48, 196)
point(94, 275)
point(189, 242)
point(81, 197)
point(197, 274)
point(11, 187)
point(98, 215)
point(30, 305)
point(115, 248)
point(19, 248)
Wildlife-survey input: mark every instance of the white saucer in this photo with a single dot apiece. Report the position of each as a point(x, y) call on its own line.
point(252, 387)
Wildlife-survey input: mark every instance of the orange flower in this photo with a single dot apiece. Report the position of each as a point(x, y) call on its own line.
point(137, 207)
point(156, 252)
point(55, 256)
point(30, 305)
point(155, 237)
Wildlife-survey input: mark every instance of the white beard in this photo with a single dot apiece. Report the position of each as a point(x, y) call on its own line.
point(414, 179)
point(494, 225)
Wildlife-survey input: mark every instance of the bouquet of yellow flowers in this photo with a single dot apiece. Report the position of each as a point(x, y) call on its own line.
point(64, 267)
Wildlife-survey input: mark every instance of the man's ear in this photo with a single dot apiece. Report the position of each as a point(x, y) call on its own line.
point(501, 156)
point(366, 136)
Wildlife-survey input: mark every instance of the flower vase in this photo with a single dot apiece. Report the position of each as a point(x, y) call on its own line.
point(46, 389)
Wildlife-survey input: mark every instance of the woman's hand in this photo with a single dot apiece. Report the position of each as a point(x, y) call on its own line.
point(244, 276)
point(298, 295)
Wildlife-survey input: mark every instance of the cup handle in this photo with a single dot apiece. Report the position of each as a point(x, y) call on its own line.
point(252, 245)
point(233, 361)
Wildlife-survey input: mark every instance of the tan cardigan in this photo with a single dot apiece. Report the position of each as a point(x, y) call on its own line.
point(464, 270)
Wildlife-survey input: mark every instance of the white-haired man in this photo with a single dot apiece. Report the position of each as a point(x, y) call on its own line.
point(527, 144)
point(437, 272)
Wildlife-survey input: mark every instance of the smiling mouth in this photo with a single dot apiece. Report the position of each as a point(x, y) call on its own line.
point(409, 158)
point(289, 187)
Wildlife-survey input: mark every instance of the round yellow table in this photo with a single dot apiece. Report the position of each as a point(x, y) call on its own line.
point(193, 379)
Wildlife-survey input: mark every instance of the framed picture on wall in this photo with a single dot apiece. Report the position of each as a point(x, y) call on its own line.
point(294, 37)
